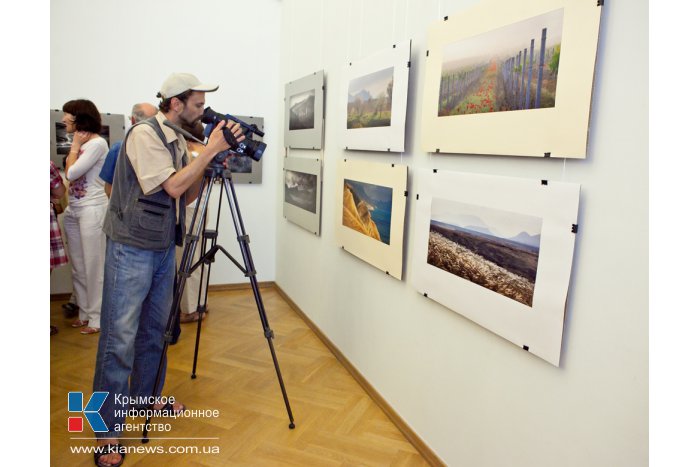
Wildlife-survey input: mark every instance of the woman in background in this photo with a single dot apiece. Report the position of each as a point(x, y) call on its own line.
point(87, 205)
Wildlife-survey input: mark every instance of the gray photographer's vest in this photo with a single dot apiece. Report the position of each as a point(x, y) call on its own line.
point(143, 221)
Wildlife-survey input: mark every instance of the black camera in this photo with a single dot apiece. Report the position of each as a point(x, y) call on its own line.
point(247, 147)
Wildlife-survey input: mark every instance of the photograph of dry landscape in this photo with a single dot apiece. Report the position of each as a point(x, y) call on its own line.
point(511, 68)
point(496, 249)
point(367, 209)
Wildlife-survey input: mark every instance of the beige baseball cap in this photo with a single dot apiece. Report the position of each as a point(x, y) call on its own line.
point(177, 83)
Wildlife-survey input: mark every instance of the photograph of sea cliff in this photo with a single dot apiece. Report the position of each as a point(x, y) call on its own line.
point(367, 209)
point(301, 110)
point(496, 249)
point(300, 190)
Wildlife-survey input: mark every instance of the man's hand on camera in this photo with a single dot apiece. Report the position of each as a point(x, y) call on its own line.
point(217, 140)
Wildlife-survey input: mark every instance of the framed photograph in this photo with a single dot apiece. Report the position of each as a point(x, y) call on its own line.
point(375, 100)
point(245, 169)
point(499, 251)
point(302, 193)
point(112, 131)
point(370, 212)
point(513, 78)
point(303, 116)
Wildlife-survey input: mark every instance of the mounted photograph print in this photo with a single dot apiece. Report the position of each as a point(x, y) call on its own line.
point(370, 212)
point(511, 78)
point(302, 193)
point(60, 142)
point(375, 100)
point(499, 251)
point(303, 117)
point(245, 169)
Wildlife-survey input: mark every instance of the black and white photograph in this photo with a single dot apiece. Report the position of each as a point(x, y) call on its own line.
point(301, 111)
point(300, 189)
point(302, 193)
point(303, 117)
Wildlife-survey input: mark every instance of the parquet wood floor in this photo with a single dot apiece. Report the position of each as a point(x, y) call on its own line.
point(337, 424)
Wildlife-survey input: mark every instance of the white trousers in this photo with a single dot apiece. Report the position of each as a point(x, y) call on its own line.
point(86, 251)
point(190, 297)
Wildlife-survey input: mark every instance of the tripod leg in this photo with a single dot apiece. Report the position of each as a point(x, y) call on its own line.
point(183, 274)
point(208, 235)
point(244, 243)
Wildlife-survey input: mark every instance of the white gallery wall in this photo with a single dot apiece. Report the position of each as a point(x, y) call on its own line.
point(475, 398)
point(119, 53)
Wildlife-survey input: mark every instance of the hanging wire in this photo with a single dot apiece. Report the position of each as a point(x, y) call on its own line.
point(321, 42)
point(393, 22)
point(563, 171)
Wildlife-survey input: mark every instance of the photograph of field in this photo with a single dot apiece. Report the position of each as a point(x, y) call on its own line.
point(369, 100)
point(495, 249)
point(367, 209)
point(511, 68)
point(301, 110)
point(300, 190)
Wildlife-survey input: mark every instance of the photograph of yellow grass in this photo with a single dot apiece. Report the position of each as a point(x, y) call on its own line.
point(498, 251)
point(495, 249)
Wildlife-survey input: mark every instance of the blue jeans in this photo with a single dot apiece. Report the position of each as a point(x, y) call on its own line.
point(136, 300)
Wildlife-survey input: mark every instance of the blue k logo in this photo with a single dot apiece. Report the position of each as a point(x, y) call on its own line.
point(91, 411)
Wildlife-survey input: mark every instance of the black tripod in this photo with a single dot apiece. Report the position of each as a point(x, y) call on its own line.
point(215, 172)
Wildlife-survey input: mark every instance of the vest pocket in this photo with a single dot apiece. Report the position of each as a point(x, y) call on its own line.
point(150, 220)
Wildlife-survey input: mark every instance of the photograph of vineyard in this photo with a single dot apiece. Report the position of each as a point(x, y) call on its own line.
point(511, 68)
point(369, 100)
point(301, 110)
point(300, 190)
point(367, 209)
point(495, 249)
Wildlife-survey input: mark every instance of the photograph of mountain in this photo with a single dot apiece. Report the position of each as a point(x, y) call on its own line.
point(369, 99)
point(496, 249)
point(300, 190)
point(367, 209)
point(301, 110)
point(511, 68)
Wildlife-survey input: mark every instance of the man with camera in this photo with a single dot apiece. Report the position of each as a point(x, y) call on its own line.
point(154, 181)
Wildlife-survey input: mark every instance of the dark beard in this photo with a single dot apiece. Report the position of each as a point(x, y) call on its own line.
point(192, 123)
